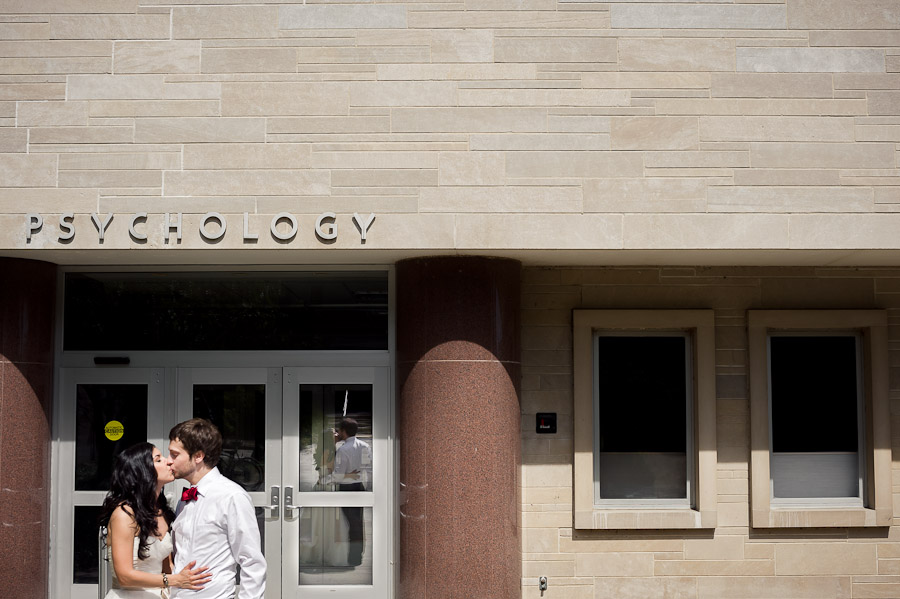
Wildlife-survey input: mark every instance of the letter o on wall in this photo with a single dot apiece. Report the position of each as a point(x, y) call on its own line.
point(222, 225)
point(274, 226)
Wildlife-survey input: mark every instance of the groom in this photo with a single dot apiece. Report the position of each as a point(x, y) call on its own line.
point(216, 523)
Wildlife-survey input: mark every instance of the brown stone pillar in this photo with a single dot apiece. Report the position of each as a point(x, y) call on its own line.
point(27, 299)
point(458, 428)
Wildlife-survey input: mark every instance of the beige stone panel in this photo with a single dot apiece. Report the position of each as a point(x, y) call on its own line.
point(373, 55)
point(510, 5)
point(13, 140)
point(866, 81)
point(772, 128)
point(785, 107)
point(380, 204)
point(32, 7)
point(543, 97)
point(573, 164)
point(508, 19)
point(390, 37)
point(224, 22)
point(774, 587)
point(329, 124)
point(137, 87)
point(844, 231)
point(555, 568)
point(120, 161)
point(463, 45)
point(28, 170)
point(694, 159)
point(160, 205)
point(285, 99)
point(732, 486)
point(718, 548)
point(843, 14)
point(540, 540)
point(703, 568)
point(50, 114)
point(771, 85)
point(193, 130)
point(655, 81)
point(48, 49)
point(109, 26)
point(759, 550)
point(539, 231)
point(157, 57)
point(472, 168)
point(554, 49)
point(697, 16)
point(823, 559)
point(789, 177)
point(733, 514)
point(384, 178)
point(506, 199)
point(244, 182)
point(644, 588)
point(539, 141)
point(110, 178)
point(822, 155)
point(876, 590)
point(647, 54)
point(454, 72)
point(81, 135)
point(614, 564)
point(884, 103)
point(706, 231)
point(530, 590)
point(645, 195)
point(403, 93)
point(810, 60)
point(620, 545)
point(863, 37)
point(887, 195)
point(469, 120)
point(878, 133)
point(249, 60)
point(211, 156)
point(47, 200)
point(51, 66)
point(153, 108)
point(551, 495)
point(377, 16)
point(24, 31)
point(373, 160)
point(654, 133)
point(547, 520)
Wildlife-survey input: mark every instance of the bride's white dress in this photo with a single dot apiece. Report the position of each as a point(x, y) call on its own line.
point(158, 551)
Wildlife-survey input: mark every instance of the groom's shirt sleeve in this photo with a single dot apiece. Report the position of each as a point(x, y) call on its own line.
point(243, 537)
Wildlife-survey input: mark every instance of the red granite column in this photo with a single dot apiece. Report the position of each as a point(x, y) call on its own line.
point(27, 299)
point(458, 428)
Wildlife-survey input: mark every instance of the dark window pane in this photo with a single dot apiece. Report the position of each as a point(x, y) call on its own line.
point(814, 393)
point(240, 413)
point(85, 569)
point(98, 406)
point(225, 311)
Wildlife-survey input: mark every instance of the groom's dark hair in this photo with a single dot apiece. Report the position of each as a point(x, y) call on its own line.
point(196, 435)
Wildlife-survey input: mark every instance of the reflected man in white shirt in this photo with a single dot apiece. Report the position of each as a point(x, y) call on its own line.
point(216, 521)
point(352, 469)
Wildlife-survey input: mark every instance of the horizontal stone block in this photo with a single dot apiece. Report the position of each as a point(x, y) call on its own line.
point(454, 72)
point(109, 26)
point(539, 231)
point(13, 140)
point(573, 164)
point(863, 38)
point(654, 133)
point(771, 128)
point(577, 124)
point(660, 80)
point(717, 548)
point(53, 66)
point(153, 108)
point(829, 559)
point(193, 130)
point(614, 564)
point(844, 231)
point(822, 155)
point(137, 87)
point(672, 587)
point(377, 16)
point(51, 114)
point(501, 199)
point(403, 93)
point(384, 178)
point(81, 135)
point(508, 19)
point(472, 168)
point(55, 49)
point(213, 156)
point(810, 60)
point(697, 159)
point(889, 133)
point(771, 85)
point(32, 7)
point(28, 170)
point(554, 49)
point(702, 568)
point(699, 16)
point(285, 98)
point(676, 55)
point(462, 45)
point(374, 160)
point(371, 55)
point(243, 182)
point(706, 231)
point(346, 204)
point(884, 103)
point(224, 22)
point(543, 97)
point(843, 14)
point(249, 60)
point(111, 178)
point(645, 195)
point(120, 161)
point(330, 124)
point(32, 91)
point(774, 587)
point(787, 177)
point(867, 81)
point(539, 141)
point(761, 107)
point(157, 57)
point(47, 200)
point(468, 120)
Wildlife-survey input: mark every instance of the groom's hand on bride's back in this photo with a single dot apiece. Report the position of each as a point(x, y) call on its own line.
point(191, 578)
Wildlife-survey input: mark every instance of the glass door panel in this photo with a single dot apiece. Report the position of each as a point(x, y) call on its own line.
point(335, 475)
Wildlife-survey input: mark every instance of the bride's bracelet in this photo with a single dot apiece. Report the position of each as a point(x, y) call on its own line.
point(165, 580)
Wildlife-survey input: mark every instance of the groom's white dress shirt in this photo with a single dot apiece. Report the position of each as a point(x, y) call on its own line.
point(219, 530)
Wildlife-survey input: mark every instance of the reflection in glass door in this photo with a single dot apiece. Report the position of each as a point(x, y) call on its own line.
point(335, 474)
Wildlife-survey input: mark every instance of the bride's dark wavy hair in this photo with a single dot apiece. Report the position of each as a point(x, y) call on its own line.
point(133, 484)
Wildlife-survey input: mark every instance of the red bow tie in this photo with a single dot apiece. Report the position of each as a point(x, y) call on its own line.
point(189, 494)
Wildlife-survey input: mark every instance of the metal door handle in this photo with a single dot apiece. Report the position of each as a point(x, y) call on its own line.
point(288, 500)
point(273, 501)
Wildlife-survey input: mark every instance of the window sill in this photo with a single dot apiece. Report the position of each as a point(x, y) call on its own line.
point(825, 517)
point(645, 519)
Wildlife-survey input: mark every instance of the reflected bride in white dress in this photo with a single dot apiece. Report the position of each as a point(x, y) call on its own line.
point(323, 530)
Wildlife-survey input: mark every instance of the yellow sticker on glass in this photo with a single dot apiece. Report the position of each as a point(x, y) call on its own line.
point(113, 430)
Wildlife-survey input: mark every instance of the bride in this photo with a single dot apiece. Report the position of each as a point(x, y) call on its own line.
point(137, 519)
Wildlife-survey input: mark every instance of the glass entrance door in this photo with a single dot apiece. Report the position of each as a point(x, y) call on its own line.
point(335, 476)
